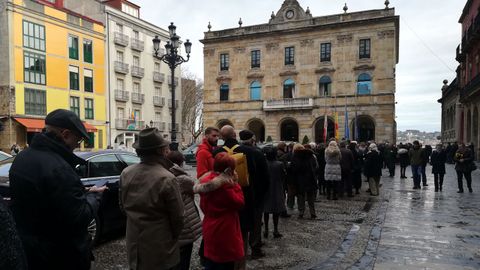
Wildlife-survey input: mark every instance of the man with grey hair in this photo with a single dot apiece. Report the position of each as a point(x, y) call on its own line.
point(50, 205)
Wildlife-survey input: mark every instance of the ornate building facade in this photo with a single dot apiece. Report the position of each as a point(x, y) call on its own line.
point(281, 78)
point(461, 99)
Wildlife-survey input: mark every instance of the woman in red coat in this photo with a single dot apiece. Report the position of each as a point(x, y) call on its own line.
point(223, 243)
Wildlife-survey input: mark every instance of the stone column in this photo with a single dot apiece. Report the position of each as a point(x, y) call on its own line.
point(459, 122)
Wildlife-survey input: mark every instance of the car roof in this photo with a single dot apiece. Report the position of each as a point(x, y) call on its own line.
point(87, 155)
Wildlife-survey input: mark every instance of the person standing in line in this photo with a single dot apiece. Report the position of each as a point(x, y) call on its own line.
point(389, 156)
point(373, 169)
point(275, 196)
point(357, 167)
point(333, 171)
point(426, 152)
point(438, 160)
point(221, 224)
point(151, 199)
point(464, 165)
point(204, 155)
point(403, 160)
point(51, 207)
point(346, 163)
point(320, 154)
point(282, 154)
point(192, 225)
point(304, 167)
point(448, 150)
point(416, 158)
point(12, 255)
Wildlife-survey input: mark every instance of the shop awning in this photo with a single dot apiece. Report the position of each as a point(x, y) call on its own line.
point(36, 125)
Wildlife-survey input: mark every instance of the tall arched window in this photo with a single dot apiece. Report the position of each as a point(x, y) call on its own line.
point(224, 89)
point(325, 86)
point(364, 84)
point(289, 88)
point(255, 91)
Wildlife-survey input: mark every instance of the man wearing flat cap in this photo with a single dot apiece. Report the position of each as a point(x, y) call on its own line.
point(151, 199)
point(50, 205)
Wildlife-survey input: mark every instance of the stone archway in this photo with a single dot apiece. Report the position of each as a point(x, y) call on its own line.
point(258, 128)
point(289, 130)
point(318, 129)
point(366, 129)
point(224, 122)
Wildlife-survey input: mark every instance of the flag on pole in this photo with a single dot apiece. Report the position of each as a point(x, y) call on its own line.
point(337, 134)
point(325, 127)
point(347, 129)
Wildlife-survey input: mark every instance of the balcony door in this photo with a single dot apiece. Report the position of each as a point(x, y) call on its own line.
point(289, 89)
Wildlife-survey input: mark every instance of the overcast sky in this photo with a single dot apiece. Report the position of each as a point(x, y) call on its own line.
point(429, 30)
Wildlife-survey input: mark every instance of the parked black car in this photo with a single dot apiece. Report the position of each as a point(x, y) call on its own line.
point(102, 168)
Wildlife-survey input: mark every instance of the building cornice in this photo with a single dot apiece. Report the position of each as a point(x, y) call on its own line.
point(136, 22)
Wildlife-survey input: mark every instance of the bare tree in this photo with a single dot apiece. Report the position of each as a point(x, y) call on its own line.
point(192, 97)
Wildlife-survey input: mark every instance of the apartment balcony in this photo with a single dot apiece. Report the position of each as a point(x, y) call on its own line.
point(159, 125)
point(121, 67)
point(158, 101)
point(177, 127)
point(288, 104)
point(472, 88)
point(170, 81)
point(170, 104)
point(138, 98)
point(138, 72)
point(460, 57)
point(129, 124)
point(137, 45)
point(120, 39)
point(121, 95)
point(158, 77)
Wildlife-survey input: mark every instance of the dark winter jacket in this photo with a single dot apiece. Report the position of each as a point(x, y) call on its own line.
point(373, 164)
point(347, 160)
point(304, 167)
point(438, 159)
point(50, 206)
point(254, 194)
point(11, 250)
point(192, 225)
point(466, 156)
point(403, 157)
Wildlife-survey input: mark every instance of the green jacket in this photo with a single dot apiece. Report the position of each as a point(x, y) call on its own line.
point(416, 156)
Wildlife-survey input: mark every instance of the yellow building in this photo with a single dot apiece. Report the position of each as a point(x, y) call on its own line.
point(56, 61)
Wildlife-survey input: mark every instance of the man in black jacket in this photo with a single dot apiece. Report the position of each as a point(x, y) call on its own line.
point(254, 194)
point(50, 205)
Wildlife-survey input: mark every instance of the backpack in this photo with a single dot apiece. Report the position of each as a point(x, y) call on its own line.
point(241, 166)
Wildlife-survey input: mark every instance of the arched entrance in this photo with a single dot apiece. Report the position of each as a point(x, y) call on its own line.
point(289, 130)
point(366, 129)
point(258, 128)
point(319, 129)
point(224, 122)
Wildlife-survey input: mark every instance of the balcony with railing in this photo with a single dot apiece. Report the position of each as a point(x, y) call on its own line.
point(137, 45)
point(170, 104)
point(288, 104)
point(138, 72)
point(158, 77)
point(170, 81)
point(129, 124)
point(121, 95)
point(471, 88)
point(176, 127)
point(138, 98)
point(158, 101)
point(120, 39)
point(121, 67)
point(159, 125)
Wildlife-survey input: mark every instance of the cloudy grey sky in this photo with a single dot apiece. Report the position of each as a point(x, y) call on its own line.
point(429, 31)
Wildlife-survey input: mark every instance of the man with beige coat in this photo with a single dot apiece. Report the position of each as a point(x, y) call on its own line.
point(152, 201)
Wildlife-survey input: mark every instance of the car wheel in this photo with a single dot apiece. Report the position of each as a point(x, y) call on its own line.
point(94, 229)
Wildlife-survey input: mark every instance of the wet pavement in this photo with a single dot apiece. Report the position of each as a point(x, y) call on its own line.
point(400, 229)
point(424, 229)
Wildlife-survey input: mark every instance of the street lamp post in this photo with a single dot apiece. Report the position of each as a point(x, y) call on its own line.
point(172, 59)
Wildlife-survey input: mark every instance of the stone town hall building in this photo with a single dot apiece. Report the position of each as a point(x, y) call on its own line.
point(279, 79)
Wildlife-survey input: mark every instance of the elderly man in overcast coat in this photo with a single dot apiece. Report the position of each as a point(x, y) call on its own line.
point(152, 201)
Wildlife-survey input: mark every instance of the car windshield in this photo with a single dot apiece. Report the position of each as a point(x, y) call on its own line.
point(4, 169)
point(4, 156)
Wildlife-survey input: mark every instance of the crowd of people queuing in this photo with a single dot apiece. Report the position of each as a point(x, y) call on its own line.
point(240, 186)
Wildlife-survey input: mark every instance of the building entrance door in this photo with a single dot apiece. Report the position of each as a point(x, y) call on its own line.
point(289, 131)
